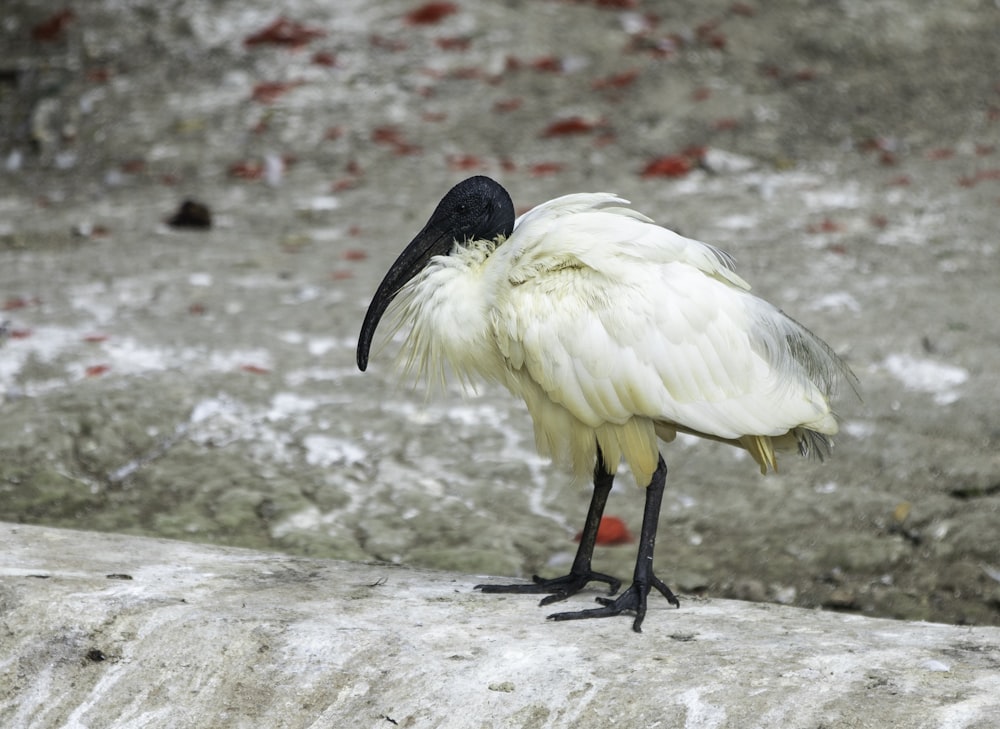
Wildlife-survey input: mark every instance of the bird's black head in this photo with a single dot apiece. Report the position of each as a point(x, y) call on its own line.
point(475, 209)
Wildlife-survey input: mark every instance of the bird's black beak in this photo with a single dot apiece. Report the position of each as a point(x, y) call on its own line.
point(429, 242)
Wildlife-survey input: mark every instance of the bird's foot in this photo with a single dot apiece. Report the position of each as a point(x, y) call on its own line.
point(633, 600)
point(559, 587)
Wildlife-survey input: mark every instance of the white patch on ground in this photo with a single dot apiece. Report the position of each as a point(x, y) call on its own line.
point(858, 429)
point(736, 222)
point(836, 301)
point(318, 346)
point(831, 198)
point(286, 404)
point(297, 378)
point(325, 451)
point(924, 375)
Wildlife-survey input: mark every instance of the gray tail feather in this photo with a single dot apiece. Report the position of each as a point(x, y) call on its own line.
point(812, 444)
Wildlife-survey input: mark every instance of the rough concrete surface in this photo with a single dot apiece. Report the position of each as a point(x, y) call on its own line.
point(102, 630)
point(201, 384)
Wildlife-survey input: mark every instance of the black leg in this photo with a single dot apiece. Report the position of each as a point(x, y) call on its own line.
point(580, 573)
point(633, 600)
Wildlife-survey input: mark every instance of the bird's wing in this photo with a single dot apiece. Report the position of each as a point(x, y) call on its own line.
point(614, 318)
point(589, 226)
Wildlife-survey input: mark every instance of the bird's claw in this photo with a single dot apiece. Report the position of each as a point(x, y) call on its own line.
point(633, 600)
point(559, 588)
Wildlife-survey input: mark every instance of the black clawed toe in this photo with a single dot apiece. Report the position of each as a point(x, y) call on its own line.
point(633, 600)
point(558, 588)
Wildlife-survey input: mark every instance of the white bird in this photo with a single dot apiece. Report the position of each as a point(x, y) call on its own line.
point(615, 332)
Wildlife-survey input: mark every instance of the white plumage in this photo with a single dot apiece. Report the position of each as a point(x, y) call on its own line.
point(615, 330)
point(616, 333)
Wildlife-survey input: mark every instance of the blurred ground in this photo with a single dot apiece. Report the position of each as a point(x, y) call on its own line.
point(201, 384)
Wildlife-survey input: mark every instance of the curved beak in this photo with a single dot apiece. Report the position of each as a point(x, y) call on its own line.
point(429, 242)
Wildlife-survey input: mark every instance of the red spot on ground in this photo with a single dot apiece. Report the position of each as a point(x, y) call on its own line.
point(611, 532)
point(657, 47)
point(546, 64)
point(465, 162)
point(324, 58)
point(725, 124)
point(671, 165)
point(708, 34)
point(431, 13)
point(674, 165)
point(900, 181)
point(512, 64)
point(344, 183)
point(333, 133)
point(827, 225)
point(467, 73)
point(616, 4)
point(267, 92)
point(745, 9)
point(801, 75)
point(884, 147)
point(19, 333)
point(133, 166)
point(354, 254)
point(771, 71)
point(541, 169)
point(507, 105)
point(341, 275)
point(95, 338)
point(434, 116)
point(984, 150)
point(570, 126)
point(52, 28)
point(354, 231)
point(941, 153)
point(457, 43)
point(18, 302)
point(701, 93)
point(96, 370)
point(99, 75)
point(247, 170)
point(197, 309)
point(255, 369)
point(979, 176)
point(284, 32)
point(392, 137)
point(879, 221)
point(616, 81)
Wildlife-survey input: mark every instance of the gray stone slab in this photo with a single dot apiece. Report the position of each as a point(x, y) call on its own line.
point(103, 630)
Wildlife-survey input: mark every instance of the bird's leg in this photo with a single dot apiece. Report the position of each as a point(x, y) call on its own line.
point(633, 600)
point(580, 573)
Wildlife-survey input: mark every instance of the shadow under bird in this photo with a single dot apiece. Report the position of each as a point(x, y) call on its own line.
point(616, 333)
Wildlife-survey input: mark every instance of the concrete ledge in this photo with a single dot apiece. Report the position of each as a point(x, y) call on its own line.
point(102, 630)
